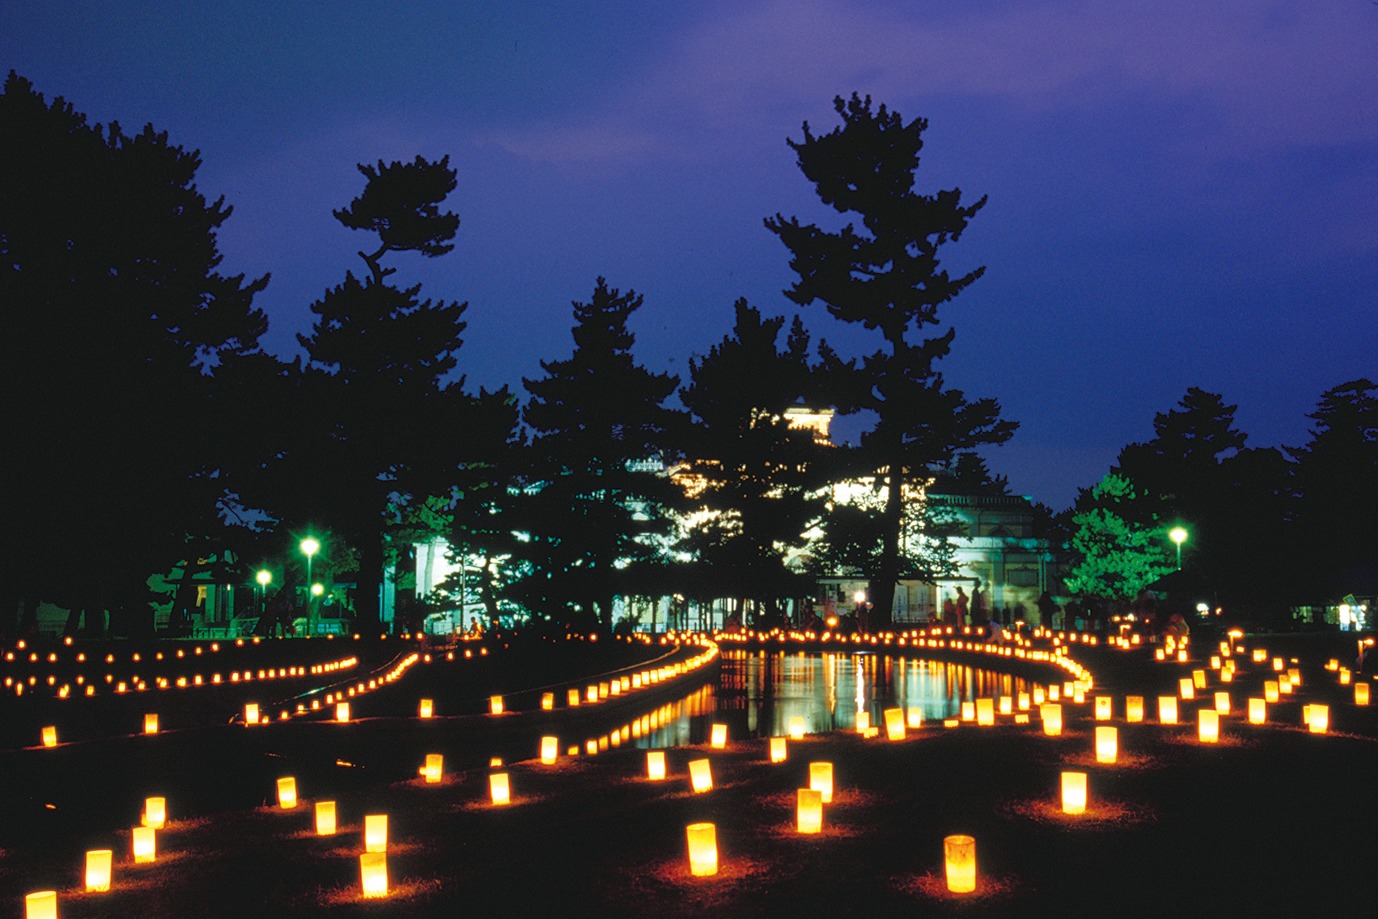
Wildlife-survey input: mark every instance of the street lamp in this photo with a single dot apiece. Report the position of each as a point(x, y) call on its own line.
point(309, 547)
point(1179, 536)
point(264, 578)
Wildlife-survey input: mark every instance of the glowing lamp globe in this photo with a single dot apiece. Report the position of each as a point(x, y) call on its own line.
point(821, 780)
point(809, 810)
point(41, 904)
point(1167, 709)
point(1107, 743)
point(1208, 725)
point(325, 818)
point(960, 863)
point(375, 832)
point(144, 844)
point(700, 775)
point(655, 765)
point(155, 812)
point(703, 849)
point(373, 874)
point(98, 862)
point(1074, 792)
point(500, 788)
point(287, 792)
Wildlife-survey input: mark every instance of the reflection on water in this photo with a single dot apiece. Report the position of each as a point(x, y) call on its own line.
point(759, 693)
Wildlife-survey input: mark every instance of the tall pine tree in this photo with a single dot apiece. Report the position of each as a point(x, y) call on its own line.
point(886, 276)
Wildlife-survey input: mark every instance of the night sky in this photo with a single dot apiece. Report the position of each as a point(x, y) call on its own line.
point(1182, 192)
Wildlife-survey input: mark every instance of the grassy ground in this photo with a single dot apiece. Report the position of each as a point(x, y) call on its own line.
point(1271, 821)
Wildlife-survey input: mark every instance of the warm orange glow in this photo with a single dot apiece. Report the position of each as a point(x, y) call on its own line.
point(894, 724)
point(373, 874)
point(342, 712)
point(287, 792)
point(1222, 703)
point(968, 712)
point(655, 765)
point(1361, 693)
point(41, 904)
point(425, 709)
point(375, 832)
point(913, 717)
point(325, 818)
point(1074, 792)
point(1317, 718)
point(1103, 708)
point(1270, 691)
point(50, 736)
point(155, 812)
point(550, 749)
point(151, 723)
point(960, 862)
point(1133, 709)
point(495, 705)
point(821, 779)
point(1258, 711)
point(778, 750)
point(703, 849)
point(809, 810)
point(1107, 743)
point(1208, 725)
point(796, 727)
point(98, 863)
point(499, 788)
point(547, 701)
point(1167, 709)
point(1051, 713)
point(1186, 688)
point(250, 713)
point(985, 712)
point(434, 768)
point(700, 775)
point(719, 737)
point(145, 844)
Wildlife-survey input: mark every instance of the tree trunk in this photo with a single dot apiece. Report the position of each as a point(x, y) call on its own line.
point(883, 586)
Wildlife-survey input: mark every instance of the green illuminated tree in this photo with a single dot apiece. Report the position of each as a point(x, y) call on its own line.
point(885, 275)
point(1115, 558)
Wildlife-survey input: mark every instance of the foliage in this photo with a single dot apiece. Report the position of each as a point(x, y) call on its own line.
point(1116, 558)
point(887, 277)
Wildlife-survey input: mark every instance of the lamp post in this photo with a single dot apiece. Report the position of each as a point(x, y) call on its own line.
point(1179, 536)
point(309, 547)
point(264, 578)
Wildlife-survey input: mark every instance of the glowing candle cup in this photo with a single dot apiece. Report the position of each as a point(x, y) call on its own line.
point(703, 849)
point(655, 765)
point(373, 874)
point(500, 788)
point(1074, 792)
point(821, 780)
point(145, 844)
point(155, 812)
point(1107, 743)
point(550, 749)
point(779, 751)
point(809, 810)
point(287, 792)
point(700, 775)
point(719, 737)
point(960, 863)
point(98, 862)
point(41, 904)
point(325, 818)
point(375, 832)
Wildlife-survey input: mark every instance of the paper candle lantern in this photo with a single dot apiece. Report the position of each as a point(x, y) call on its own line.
point(700, 775)
point(50, 736)
point(1107, 743)
point(1167, 709)
point(426, 708)
point(1133, 709)
point(342, 712)
point(1208, 725)
point(375, 832)
point(985, 712)
point(1361, 693)
point(655, 765)
point(1005, 705)
point(719, 737)
point(151, 723)
point(1258, 711)
point(1198, 679)
point(796, 727)
point(1074, 792)
point(1270, 691)
point(1103, 708)
point(1222, 703)
point(434, 768)
point(1344, 676)
point(703, 849)
point(1318, 719)
point(495, 705)
point(250, 714)
point(550, 749)
point(894, 723)
point(821, 779)
point(960, 862)
point(778, 750)
point(863, 722)
point(325, 818)
point(1185, 688)
point(809, 810)
point(913, 717)
point(287, 792)
point(41, 904)
point(98, 862)
point(572, 697)
point(373, 874)
point(1021, 701)
point(1051, 713)
point(145, 844)
point(547, 701)
point(499, 788)
point(155, 812)
point(968, 711)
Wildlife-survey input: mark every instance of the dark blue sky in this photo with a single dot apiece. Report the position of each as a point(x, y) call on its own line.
point(1182, 193)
